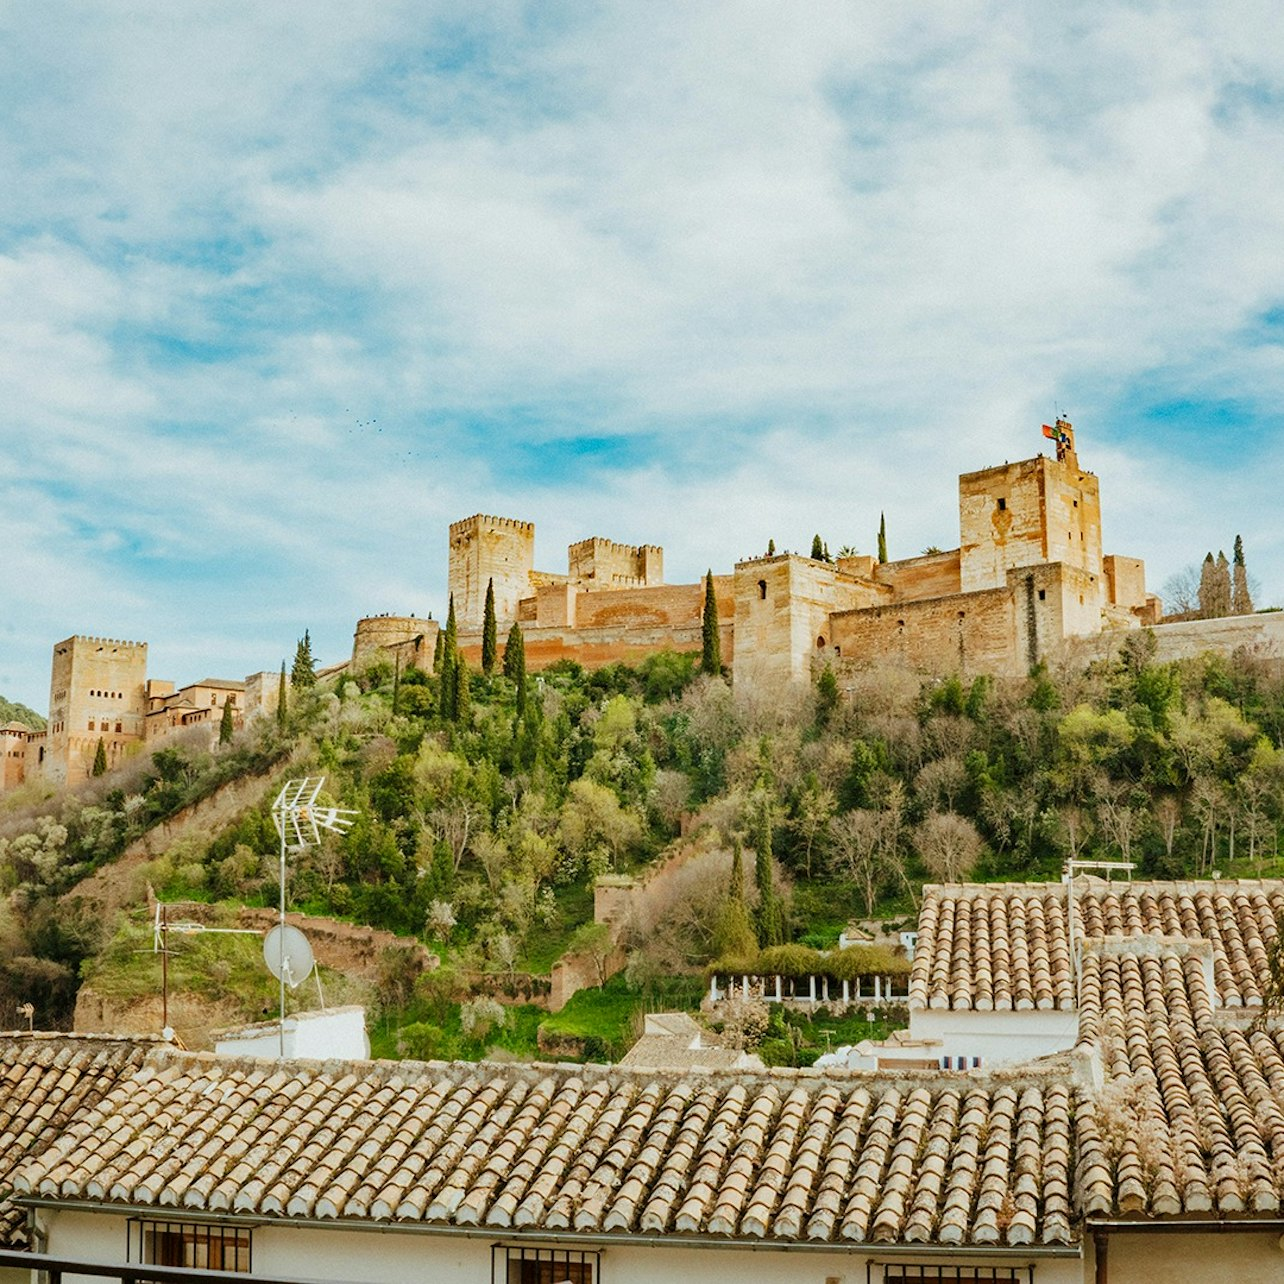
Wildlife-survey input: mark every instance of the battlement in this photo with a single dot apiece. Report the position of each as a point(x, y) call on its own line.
point(116, 642)
point(468, 524)
point(597, 544)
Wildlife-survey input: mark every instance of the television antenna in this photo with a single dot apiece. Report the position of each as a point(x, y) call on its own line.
point(161, 928)
point(28, 1010)
point(299, 822)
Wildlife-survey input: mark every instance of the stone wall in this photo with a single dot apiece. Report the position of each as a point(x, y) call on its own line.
point(410, 636)
point(604, 562)
point(915, 578)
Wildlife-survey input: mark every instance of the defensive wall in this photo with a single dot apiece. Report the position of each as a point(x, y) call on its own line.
point(408, 638)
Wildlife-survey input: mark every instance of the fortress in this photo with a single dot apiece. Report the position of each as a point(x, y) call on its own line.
point(1028, 582)
point(99, 691)
point(1029, 577)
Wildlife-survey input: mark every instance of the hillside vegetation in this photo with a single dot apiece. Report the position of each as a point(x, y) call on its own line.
point(487, 809)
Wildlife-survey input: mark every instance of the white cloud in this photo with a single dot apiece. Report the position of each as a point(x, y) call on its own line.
point(281, 295)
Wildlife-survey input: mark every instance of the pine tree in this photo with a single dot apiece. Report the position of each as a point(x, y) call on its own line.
point(446, 673)
point(515, 663)
point(490, 639)
point(882, 537)
point(817, 549)
point(771, 548)
point(304, 672)
point(100, 758)
point(1207, 587)
point(1223, 586)
point(1241, 598)
point(226, 725)
point(282, 698)
point(711, 655)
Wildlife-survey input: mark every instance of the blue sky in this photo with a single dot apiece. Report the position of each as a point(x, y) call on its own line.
point(285, 289)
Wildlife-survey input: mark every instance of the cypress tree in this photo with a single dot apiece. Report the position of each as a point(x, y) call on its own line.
point(711, 655)
point(882, 537)
point(771, 548)
point(817, 549)
point(100, 758)
point(226, 726)
point(737, 889)
point(490, 640)
point(1241, 598)
point(771, 925)
point(462, 700)
point(396, 680)
point(1207, 587)
point(438, 650)
point(449, 660)
point(1223, 586)
point(515, 663)
point(304, 673)
point(281, 698)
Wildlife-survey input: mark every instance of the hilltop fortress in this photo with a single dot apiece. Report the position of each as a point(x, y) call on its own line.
point(1028, 577)
point(1028, 582)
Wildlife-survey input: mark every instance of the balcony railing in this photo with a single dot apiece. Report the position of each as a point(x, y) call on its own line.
point(55, 1268)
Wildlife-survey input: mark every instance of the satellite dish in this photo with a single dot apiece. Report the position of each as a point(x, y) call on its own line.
point(294, 966)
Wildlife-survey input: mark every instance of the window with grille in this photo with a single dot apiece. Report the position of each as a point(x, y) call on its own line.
point(206, 1246)
point(898, 1273)
point(510, 1265)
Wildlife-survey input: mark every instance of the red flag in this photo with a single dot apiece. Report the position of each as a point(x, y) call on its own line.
point(1049, 431)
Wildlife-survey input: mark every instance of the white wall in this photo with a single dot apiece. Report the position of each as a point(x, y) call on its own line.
point(998, 1038)
point(339, 1033)
point(399, 1257)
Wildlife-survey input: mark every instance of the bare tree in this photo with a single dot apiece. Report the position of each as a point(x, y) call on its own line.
point(948, 845)
point(855, 846)
point(941, 781)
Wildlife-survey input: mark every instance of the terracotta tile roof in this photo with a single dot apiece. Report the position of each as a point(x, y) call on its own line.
point(1005, 947)
point(1191, 1118)
point(796, 1156)
point(45, 1080)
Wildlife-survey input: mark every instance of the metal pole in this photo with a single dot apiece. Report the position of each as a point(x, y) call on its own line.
point(164, 967)
point(281, 948)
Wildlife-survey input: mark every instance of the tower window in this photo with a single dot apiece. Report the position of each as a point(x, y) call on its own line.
point(762, 590)
point(1003, 503)
point(1043, 594)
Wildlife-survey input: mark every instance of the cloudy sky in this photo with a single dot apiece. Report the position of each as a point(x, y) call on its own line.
point(286, 288)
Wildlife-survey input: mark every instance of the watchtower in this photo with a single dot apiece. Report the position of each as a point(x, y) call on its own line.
point(482, 549)
point(97, 691)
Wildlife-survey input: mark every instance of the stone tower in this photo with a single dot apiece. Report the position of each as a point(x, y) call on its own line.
point(484, 548)
point(1027, 513)
point(97, 690)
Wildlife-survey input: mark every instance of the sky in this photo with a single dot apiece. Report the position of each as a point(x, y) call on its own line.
point(287, 288)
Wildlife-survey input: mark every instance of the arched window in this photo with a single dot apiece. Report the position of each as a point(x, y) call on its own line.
point(762, 590)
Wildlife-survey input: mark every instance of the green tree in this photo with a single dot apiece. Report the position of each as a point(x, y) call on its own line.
point(100, 758)
point(282, 698)
point(771, 919)
point(711, 655)
point(490, 640)
point(462, 701)
point(438, 650)
point(817, 549)
point(882, 537)
point(449, 688)
point(304, 672)
point(771, 548)
point(515, 663)
point(1241, 598)
point(226, 726)
point(826, 697)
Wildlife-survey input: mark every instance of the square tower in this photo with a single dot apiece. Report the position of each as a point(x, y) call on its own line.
point(97, 691)
point(1024, 514)
point(483, 549)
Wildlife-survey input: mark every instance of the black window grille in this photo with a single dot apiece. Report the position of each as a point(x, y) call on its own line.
point(961, 1273)
point(520, 1265)
point(204, 1245)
